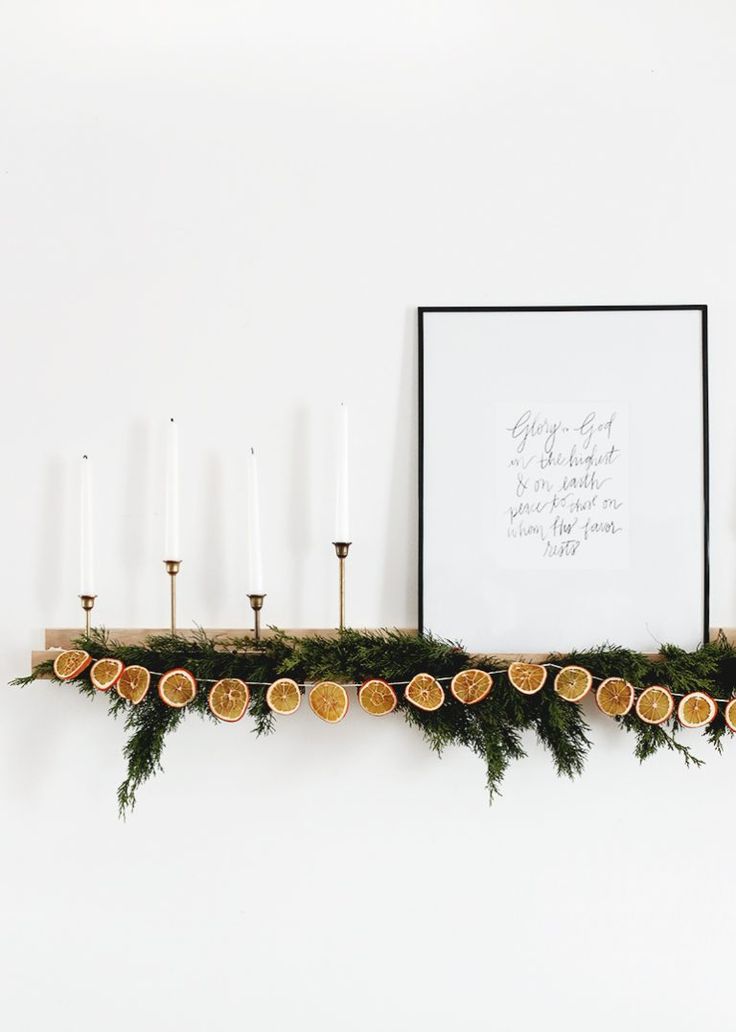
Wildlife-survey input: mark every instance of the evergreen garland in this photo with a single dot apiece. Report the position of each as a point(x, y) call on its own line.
point(493, 728)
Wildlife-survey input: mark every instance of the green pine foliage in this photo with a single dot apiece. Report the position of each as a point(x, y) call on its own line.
point(493, 729)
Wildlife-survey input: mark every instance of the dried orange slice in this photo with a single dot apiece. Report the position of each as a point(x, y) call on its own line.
point(527, 677)
point(730, 714)
point(696, 710)
point(655, 704)
point(229, 698)
point(425, 693)
point(377, 697)
point(471, 686)
point(615, 697)
point(283, 696)
point(105, 673)
point(573, 683)
point(177, 687)
point(329, 701)
point(71, 663)
point(133, 684)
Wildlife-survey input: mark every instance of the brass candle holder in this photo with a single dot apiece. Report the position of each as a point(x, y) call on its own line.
point(256, 604)
point(341, 551)
point(88, 602)
point(172, 568)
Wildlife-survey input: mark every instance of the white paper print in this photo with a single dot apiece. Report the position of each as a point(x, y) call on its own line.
point(562, 485)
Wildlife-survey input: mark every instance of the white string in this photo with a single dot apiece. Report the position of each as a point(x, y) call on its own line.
point(440, 680)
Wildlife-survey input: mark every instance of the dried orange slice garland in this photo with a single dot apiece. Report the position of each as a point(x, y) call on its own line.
point(133, 684)
point(471, 686)
point(479, 699)
point(329, 701)
point(424, 692)
point(527, 678)
point(229, 698)
point(177, 687)
point(377, 697)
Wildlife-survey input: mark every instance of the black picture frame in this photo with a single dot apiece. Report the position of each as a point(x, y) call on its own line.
point(423, 311)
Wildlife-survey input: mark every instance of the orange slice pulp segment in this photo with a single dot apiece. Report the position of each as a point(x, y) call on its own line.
point(71, 663)
point(229, 698)
point(105, 673)
point(655, 704)
point(573, 683)
point(425, 692)
point(696, 710)
point(377, 697)
point(730, 714)
point(615, 697)
point(471, 686)
point(527, 678)
point(329, 701)
point(177, 687)
point(133, 684)
point(283, 696)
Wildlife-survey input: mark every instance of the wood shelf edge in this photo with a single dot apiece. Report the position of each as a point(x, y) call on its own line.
point(61, 638)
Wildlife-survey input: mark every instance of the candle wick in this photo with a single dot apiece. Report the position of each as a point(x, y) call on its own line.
point(84, 456)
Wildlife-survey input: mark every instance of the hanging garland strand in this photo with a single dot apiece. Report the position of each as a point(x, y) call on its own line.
point(493, 727)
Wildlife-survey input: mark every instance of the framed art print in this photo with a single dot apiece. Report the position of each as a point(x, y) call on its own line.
point(563, 476)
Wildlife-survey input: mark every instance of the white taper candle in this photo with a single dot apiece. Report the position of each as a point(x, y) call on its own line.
point(171, 541)
point(87, 542)
point(342, 513)
point(255, 556)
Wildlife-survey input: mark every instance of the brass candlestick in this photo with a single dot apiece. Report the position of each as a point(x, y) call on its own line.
point(88, 602)
point(341, 551)
point(172, 568)
point(256, 604)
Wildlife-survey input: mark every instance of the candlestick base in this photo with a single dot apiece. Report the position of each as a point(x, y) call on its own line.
point(341, 551)
point(88, 602)
point(256, 604)
point(172, 568)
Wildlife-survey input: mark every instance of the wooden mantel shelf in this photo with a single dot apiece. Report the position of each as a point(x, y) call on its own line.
point(58, 638)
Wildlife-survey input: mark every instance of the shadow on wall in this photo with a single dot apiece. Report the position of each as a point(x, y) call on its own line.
point(401, 553)
point(215, 534)
point(54, 523)
point(300, 529)
point(138, 499)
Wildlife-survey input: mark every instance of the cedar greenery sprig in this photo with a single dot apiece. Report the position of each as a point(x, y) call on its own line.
point(493, 729)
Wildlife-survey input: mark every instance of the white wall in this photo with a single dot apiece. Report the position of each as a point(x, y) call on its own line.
point(227, 212)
